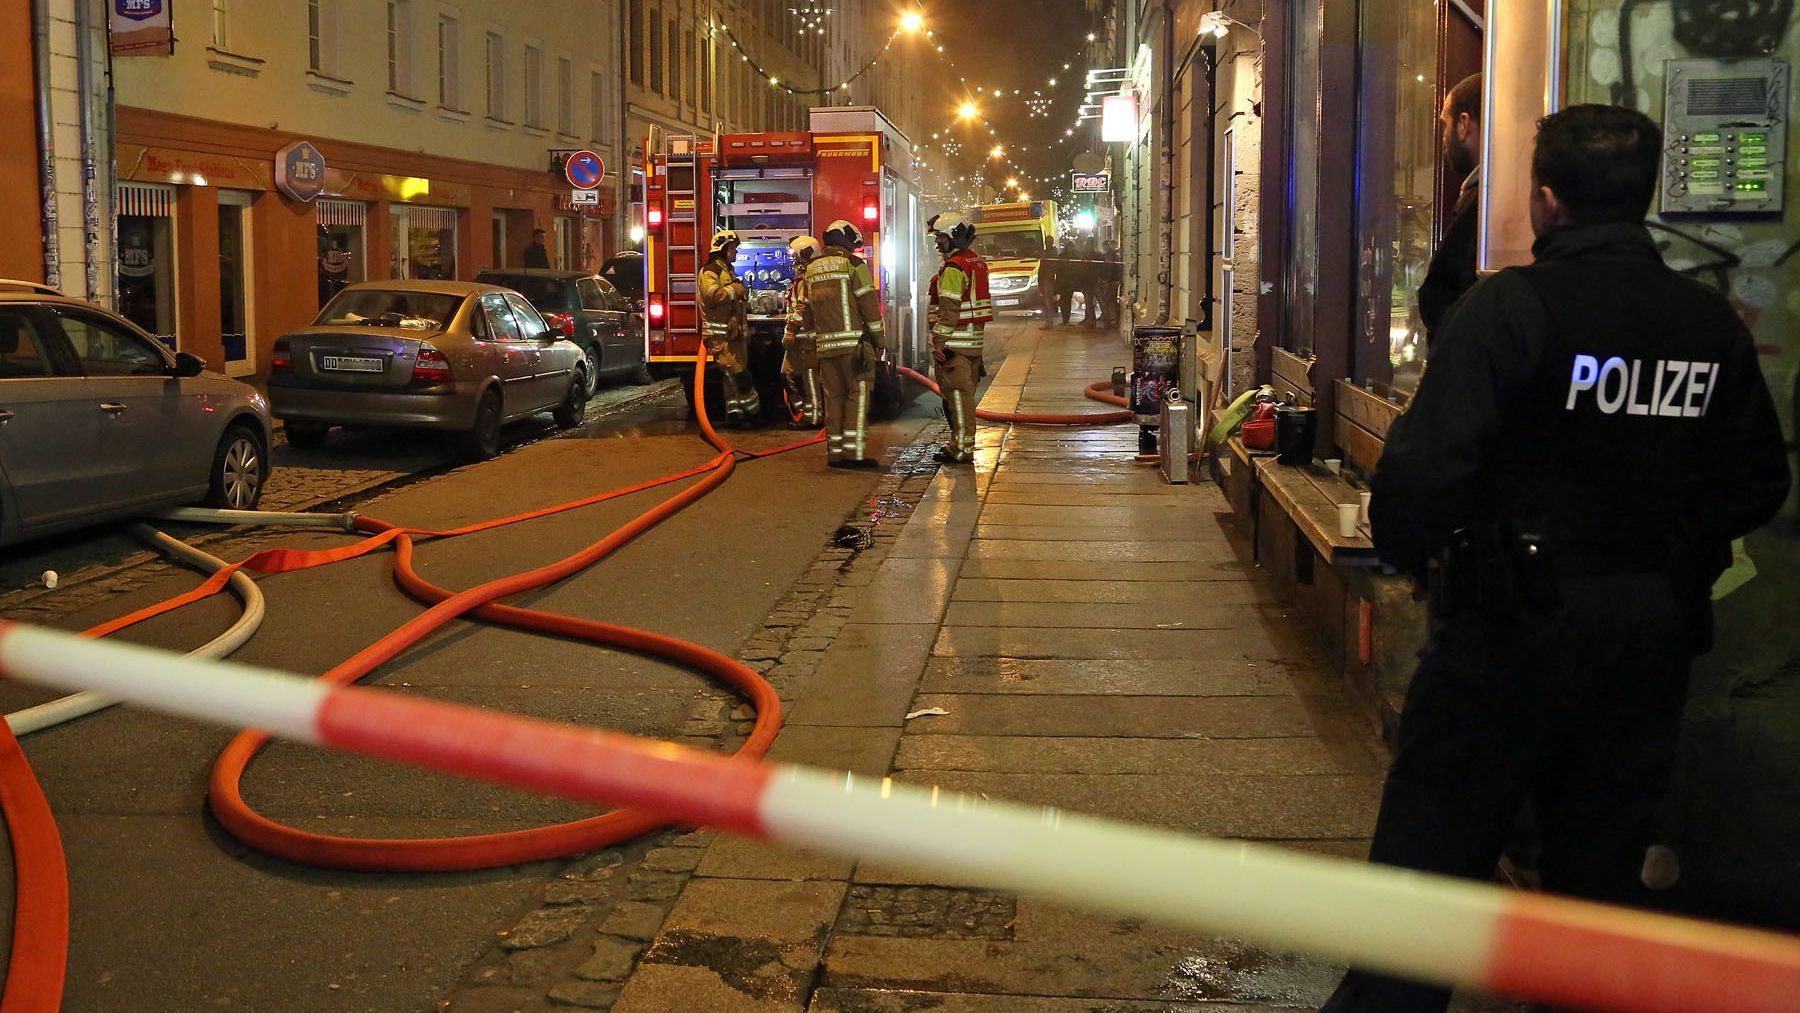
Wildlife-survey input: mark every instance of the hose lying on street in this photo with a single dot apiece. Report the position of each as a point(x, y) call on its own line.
point(1453, 932)
point(1095, 392)
point(41, 915)
point(68, 708)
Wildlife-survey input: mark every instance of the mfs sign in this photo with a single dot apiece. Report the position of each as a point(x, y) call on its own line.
point(300, 171)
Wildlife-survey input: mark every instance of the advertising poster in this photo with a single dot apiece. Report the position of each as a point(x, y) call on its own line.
point(1155, 369)
point(140, 28)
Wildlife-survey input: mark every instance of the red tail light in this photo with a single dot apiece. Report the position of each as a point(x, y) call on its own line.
point(656, 311)
point(431, 366)
point(654, 216)
point(280, 359)
point(871, 210)
point(564, 322)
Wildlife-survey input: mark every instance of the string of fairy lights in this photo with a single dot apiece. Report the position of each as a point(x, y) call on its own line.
point(813, 18)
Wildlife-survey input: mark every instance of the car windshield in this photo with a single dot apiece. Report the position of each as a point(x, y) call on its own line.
point(376, 307)
point(549, 295)
point(994, 245)
point(626, 274)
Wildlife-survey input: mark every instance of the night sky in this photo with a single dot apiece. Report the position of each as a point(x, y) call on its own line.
point(1018, 44)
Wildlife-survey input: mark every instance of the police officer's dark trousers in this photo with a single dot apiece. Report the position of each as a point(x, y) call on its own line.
point(1577, 708)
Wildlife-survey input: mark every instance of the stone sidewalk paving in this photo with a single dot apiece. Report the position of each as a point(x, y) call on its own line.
point(1100, 643)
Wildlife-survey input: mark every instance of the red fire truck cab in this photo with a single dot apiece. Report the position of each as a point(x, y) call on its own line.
point(769, 188)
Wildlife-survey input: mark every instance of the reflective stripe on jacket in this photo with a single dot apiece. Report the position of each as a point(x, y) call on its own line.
point(841, 303)
point(724, 301)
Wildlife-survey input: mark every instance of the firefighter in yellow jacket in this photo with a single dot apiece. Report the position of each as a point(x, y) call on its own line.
point(725, 326)
point(960, 309)
point(843, 313)
point(800, 358)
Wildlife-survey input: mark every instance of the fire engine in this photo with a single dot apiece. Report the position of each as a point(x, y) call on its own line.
point(769, 188)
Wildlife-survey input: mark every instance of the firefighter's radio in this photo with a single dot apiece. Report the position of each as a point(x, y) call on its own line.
point(1725, 136)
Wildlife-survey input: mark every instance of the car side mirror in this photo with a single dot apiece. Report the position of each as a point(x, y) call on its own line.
point(188, 364)
point(550, 337)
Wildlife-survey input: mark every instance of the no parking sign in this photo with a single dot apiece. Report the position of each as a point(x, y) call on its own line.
point(585, 170)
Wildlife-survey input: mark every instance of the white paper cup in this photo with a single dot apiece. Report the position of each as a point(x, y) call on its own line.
point(1334, 464)
point(1347, 514)
point(1366, 497)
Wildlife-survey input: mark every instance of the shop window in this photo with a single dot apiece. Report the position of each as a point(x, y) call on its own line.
point(147, 274)
point(496, 76)
point(342, 244)
point(424, 242)
point(449, 62)
point(1300, 266)
point(234, 270)
point(1398, 174)
point(563, 249)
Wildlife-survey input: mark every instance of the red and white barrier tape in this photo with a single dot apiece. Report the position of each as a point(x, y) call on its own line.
point(1431, 928)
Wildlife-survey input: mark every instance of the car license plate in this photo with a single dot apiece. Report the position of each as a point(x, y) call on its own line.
point(1006, 302)
point(351, 364)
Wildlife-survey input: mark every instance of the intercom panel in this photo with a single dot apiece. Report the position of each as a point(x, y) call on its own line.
point(1725, 136)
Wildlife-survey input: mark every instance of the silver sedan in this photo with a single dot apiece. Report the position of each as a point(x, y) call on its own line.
point(99, 421)
point(449, 355)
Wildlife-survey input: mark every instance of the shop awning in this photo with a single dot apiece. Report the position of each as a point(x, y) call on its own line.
point(145, 199)
point(342, 212)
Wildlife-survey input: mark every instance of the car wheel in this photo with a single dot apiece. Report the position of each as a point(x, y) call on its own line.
point(642, 376)
point(574, 407)
point(305, 435)
point(483, 441)
point(240, 469)
point(590, 360)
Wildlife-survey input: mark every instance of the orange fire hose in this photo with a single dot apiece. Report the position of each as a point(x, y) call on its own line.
point(1094, 392)
point(39, 955)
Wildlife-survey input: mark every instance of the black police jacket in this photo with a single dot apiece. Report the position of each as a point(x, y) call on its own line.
point(1596, 398)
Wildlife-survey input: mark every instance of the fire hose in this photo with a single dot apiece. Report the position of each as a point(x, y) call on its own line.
point(1432, 928)
point(1094, 392)
point(40, 937)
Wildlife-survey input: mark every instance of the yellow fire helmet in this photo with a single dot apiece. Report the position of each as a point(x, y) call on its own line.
point(804, 248)
point(843, 235)
point(724, 238)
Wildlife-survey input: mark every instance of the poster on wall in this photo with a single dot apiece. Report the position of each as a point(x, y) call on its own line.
point(140, 28)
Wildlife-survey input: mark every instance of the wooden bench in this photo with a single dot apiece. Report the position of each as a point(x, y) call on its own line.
point(1309, 495)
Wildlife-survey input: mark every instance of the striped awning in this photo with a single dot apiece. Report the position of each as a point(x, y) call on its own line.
point(422, 217)
point(149, 199)
point(342, 212)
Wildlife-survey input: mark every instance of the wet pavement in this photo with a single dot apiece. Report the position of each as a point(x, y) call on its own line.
point(1097, 642)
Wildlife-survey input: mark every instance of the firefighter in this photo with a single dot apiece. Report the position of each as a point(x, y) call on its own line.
point(800, 359)
point(843, 314)
point(960, 310)
point(724, 307)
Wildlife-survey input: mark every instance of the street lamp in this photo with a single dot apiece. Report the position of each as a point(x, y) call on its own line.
point(1013, 181)
point(999, 151)
point(912, 21)
point(968, 111)
point(1219, 24)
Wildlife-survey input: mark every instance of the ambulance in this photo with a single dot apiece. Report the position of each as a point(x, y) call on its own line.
point(769, 188)
point(1014, 238)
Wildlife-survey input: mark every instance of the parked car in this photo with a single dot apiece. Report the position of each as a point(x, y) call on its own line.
point(626, 272)
point(589, 311)
point(453, 355)
point(99, 421)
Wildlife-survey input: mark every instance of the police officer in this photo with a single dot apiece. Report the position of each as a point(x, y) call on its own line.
point(843, 313)
point(1592, 433)
point(800, 359)
point(724, 311)
point(960, 309)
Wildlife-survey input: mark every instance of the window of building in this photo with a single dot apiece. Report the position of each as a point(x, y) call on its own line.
point(634, 31)
point(706, 69)
point(496, 76)
point(424, 241)
point(693, 65)
point(534, 86)
point(322, 37)
point(221, 24)
point(597, 106)
point(449, 62)
point(675, 61)
point(400, 46)
point(565, 96)
point(656, 50)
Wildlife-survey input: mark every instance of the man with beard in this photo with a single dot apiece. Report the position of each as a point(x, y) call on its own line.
point(1452, 270)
